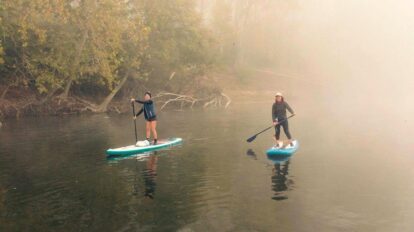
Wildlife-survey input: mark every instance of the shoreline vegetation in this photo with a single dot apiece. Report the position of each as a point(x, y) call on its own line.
point(18, 102)
point(71, 57)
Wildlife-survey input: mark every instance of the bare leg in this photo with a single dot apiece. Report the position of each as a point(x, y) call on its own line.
point(154, 129)
point(148, 129)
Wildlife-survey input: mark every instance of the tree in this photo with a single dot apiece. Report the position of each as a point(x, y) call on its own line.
point(179, 45)
point(56, 43)
point(1, 43)
point(1, 47)
point(134, 43)
point(60, 48)
point(224, 31)
point(30, 56)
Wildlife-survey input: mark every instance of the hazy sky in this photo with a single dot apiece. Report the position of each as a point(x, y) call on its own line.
point(361, 48)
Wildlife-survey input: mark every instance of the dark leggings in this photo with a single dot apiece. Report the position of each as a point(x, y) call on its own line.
point(285, 126)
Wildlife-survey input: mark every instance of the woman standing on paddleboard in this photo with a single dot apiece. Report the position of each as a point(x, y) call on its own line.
point(280, 119)
point(149, 114)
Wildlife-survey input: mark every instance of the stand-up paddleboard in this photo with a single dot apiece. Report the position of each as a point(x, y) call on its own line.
point(287, 150)
point(278, 159)
point(132, 149)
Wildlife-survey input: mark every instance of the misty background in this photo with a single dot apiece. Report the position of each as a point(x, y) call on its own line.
point(345, 67)
point(358, 53)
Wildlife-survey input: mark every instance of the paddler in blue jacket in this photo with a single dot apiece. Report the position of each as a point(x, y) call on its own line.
point(149, 113)
point(279, 117)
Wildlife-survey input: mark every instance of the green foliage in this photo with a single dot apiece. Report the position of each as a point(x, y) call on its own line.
point(178, 42)
point(56, 41)
point(27, 27)
point(96, 42)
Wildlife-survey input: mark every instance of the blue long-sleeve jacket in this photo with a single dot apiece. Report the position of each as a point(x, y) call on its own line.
point(148, 109)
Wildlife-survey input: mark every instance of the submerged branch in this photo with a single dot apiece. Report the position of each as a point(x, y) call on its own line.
point(167, 98)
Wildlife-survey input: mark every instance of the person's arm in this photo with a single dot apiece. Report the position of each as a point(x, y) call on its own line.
point(288, 108)
point(143, 102)
point(274, 113)
point(140, 112)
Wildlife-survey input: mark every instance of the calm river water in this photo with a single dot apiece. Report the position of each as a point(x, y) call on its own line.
point(348, 175)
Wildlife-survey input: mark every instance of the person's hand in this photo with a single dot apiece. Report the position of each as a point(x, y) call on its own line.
point(132, 100)
point(135, 117)
point(275, 123)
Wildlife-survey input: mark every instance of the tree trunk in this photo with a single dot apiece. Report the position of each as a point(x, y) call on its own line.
point(242, 18)
point(65, 93)
point(3, 95)
point(48, 97)
point(103, 107)
point(75, 66)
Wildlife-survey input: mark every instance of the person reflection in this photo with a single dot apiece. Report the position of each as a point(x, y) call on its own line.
point(280, 181)
point(150, 174)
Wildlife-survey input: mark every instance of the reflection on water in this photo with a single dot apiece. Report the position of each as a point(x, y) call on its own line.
point(150, 174)
point(281, 183)
point(251, 154)
point(55, 176)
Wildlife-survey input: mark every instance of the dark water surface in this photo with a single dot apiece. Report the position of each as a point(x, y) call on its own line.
point(347, 175)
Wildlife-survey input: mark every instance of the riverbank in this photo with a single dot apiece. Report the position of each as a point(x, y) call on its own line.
point(20, 102)
point(230, 87)
point(23, 101)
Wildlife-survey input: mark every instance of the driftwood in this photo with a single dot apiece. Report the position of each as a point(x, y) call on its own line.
point(228, 99)
point(187, 100)
point(218, 101)
point(53, 104)
point(174, 97)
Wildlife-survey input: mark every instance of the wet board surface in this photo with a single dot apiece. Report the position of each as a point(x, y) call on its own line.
point(287, 150)
point(132, 149)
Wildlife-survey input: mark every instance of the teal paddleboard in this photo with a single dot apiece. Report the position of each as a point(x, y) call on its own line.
point(285, 151)
point(278, 159)
point(132, 149)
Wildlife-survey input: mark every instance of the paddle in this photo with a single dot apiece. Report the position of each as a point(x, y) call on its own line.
point(249, 140)
point(135, 123)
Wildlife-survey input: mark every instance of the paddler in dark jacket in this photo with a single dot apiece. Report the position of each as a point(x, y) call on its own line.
point(279, 117)
point(149, 115)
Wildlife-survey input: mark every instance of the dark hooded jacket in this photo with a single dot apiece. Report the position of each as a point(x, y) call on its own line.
point(279, 110)
point(148, 109)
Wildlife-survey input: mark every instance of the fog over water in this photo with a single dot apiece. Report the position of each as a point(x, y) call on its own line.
point(357, 55)
point(345, 67)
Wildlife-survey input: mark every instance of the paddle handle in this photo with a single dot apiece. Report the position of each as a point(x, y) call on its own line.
point(135, 123)
point(286, 118)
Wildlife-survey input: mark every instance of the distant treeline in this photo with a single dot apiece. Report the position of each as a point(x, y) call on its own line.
point(89, 48)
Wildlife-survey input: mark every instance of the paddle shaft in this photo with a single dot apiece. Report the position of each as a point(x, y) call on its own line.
point(135, 123)
point(272, 126)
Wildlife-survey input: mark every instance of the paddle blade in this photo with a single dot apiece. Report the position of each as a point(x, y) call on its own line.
point(249, 140)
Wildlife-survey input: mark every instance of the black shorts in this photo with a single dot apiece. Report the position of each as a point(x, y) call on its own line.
point(152, 119)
